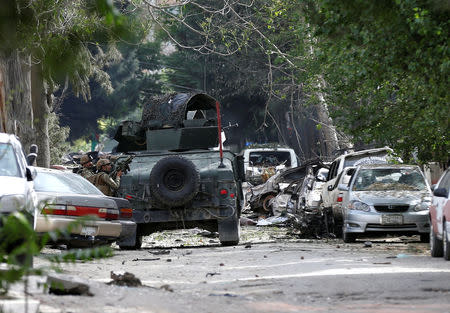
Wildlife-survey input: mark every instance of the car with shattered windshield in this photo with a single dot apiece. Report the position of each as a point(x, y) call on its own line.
point(71, 204)
point(330, 192)
point(178, 178)
point(386, 198)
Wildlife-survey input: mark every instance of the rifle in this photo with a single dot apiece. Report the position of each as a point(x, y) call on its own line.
point(123, 166)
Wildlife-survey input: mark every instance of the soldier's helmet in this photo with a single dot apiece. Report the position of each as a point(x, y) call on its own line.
point(85, 159)
point(102, 162)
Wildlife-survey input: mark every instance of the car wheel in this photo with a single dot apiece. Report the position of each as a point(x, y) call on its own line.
point(265, 203)
point(137, 244)
point(348, 237)
point(435, 244)
point(425, 237)
point(446, 247)
point(229, 230)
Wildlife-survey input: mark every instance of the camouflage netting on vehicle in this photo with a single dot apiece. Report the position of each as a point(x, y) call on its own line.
point(170, 110)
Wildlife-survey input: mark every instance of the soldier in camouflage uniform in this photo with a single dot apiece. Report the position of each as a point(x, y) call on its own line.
point(88, 168)
point(103, 181)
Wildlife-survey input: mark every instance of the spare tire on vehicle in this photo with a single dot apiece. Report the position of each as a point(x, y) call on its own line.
point(174, 181)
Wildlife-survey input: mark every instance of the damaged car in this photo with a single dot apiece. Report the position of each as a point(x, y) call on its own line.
point(386, 198)
point(259, 196)
point(65, 198)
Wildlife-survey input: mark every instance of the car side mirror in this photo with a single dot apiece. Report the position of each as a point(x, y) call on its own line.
point(31, 158)
point(330, 187)
point(343, 187)
point(441, 192)
point(30, 173)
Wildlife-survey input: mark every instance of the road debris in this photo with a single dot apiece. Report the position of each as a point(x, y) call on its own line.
point(166, 287)
point(160, 252)
point(126, 279)
point(63, 285)
point(148, 259)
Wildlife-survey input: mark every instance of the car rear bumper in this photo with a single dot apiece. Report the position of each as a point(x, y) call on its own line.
point(91, 228)
point(361, 222)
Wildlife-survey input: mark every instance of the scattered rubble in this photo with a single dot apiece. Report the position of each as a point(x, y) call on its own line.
point(62, 285)
point(125, 279)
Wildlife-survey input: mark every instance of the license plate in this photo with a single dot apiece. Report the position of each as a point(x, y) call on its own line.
point(88, 230)
point(391, 219)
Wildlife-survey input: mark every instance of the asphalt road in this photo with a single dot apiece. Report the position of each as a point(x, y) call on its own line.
point(268, 272)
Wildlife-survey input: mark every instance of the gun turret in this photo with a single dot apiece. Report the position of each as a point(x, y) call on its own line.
point(123, 166)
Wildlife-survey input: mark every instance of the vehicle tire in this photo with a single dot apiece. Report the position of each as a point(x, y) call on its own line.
point(446, 243)
point(425, 237)
point(265, 202)
point(229, 230)
point(348, 237)
point(137, 245)
point(337, 226)
point(174, 181)
point(435, 244)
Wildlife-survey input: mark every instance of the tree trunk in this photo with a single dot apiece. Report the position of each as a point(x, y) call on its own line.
point(41, 110)
point(17, 111)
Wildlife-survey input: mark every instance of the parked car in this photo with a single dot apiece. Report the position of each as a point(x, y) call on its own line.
point(262, 161)
point(386, 198)
point(336, 207)
point(16, 184)
point(64, 197)
point(440, 218)
point(16, 178)
point(370, 156)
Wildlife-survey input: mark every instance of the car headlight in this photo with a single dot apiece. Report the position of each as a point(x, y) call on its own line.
point(421, 206)
point(11, 203)
point(360, 206)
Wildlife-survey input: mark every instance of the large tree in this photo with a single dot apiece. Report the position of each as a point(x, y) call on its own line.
point(50, 43)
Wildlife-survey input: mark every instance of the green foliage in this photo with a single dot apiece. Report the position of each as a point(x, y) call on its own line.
point(386, 64)
point(19, 243)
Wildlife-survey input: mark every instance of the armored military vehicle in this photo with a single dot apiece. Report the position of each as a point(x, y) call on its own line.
point(180, 177)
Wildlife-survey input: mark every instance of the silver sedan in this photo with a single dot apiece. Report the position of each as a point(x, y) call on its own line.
point(386, 198)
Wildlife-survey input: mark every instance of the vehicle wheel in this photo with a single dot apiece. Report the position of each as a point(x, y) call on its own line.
point(435, 244)
point(174, 181)
point(348, 237)
point(337, 227)
point(229, 230)
point(265, 203)
point(446, 246)
point(137, 245)
point(425, 237)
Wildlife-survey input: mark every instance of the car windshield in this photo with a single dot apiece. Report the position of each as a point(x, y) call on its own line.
point(380, 179)
point(8, 161)
point(270, 158)
point(64, 183)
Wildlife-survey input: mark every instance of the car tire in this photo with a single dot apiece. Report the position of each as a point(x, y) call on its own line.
point(425, 237)
point(436, 247)
point(348, 237)
point(174, 181)
point(265, 202)
point(229, 230)
point(446, 243)
point(137, 245)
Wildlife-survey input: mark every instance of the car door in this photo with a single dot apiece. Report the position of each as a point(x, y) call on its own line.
point(440, 202)
point(329, 186)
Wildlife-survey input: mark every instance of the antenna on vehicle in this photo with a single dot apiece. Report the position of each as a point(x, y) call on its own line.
point(219, 127)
